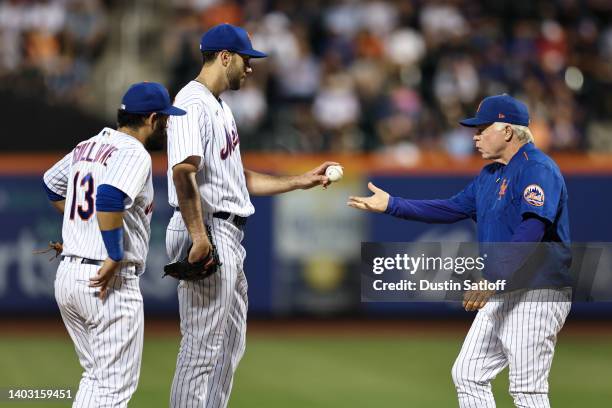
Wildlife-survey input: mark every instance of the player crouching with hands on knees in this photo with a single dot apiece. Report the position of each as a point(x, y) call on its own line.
point(104, 189)
point(519, 198)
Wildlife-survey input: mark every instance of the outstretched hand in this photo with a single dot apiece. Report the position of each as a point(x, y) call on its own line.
point(104, 276)
point(315, 177)
point(377, 202)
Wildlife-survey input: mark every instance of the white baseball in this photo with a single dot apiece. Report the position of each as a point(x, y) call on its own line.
point(334, 172)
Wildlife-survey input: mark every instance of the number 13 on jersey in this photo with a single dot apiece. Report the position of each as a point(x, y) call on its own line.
point(85, 208)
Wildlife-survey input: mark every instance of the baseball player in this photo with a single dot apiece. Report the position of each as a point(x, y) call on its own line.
point(207, 185)
point(521, 197)
point(104, 189)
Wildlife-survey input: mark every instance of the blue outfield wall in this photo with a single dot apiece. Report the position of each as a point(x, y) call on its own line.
point(302, 248)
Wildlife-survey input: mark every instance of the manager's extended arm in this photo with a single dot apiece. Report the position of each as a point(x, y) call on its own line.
point(457, 208)
point(429, 211)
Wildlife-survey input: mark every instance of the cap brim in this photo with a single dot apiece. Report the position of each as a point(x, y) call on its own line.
point(473, 122)
point(253, 53)
point(173, 111)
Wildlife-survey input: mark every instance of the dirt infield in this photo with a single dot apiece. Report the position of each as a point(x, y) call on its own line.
point(312, 327)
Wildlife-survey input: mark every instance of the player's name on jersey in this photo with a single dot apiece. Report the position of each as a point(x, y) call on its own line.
point(447, 285)
point(88, 152)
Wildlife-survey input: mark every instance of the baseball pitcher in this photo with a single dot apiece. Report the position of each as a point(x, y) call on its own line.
point(209, 188)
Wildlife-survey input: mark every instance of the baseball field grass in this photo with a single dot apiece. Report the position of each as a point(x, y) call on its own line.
point(319, 370)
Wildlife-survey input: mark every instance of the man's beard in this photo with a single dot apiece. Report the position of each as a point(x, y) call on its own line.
point(157, 140)
point(233, 78)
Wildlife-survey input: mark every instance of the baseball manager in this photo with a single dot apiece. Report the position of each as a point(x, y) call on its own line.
point(519, 198)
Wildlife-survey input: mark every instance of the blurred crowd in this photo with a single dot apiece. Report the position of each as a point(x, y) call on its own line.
point(48, 47)
point(356, 75)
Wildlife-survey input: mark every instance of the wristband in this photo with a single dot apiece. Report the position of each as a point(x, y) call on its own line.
point(113, 241)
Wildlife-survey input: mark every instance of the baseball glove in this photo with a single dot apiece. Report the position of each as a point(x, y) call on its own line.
point(184, 270)
point(53, 246)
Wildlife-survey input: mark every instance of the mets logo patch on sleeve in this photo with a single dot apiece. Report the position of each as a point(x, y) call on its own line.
point(534, 195)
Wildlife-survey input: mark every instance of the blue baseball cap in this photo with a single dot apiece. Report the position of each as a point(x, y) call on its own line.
point(149, 97)
point(499, 108)
point(230, 38)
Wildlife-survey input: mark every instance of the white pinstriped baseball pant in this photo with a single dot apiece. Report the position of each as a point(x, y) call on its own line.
point(107, 335)
point(517, 329)
point(213, 319)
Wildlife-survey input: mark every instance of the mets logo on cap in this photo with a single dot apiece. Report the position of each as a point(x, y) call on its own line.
point(534, 195)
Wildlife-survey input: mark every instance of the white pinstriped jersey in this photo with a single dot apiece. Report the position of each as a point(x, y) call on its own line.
point(208, 131)
point(113, 158)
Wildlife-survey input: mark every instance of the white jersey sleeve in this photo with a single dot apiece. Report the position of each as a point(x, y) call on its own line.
point(128, 170)
point(56, 178)
point(187, 135)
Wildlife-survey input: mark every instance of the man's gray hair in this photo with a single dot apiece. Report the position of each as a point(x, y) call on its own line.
point(522, 132)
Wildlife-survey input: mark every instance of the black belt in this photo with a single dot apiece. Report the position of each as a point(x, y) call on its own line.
point(237, 220)
point(82, 261)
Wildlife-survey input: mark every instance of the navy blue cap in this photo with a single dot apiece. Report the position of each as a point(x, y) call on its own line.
point(149, 97)
point(230, 38)
point(499, 108)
